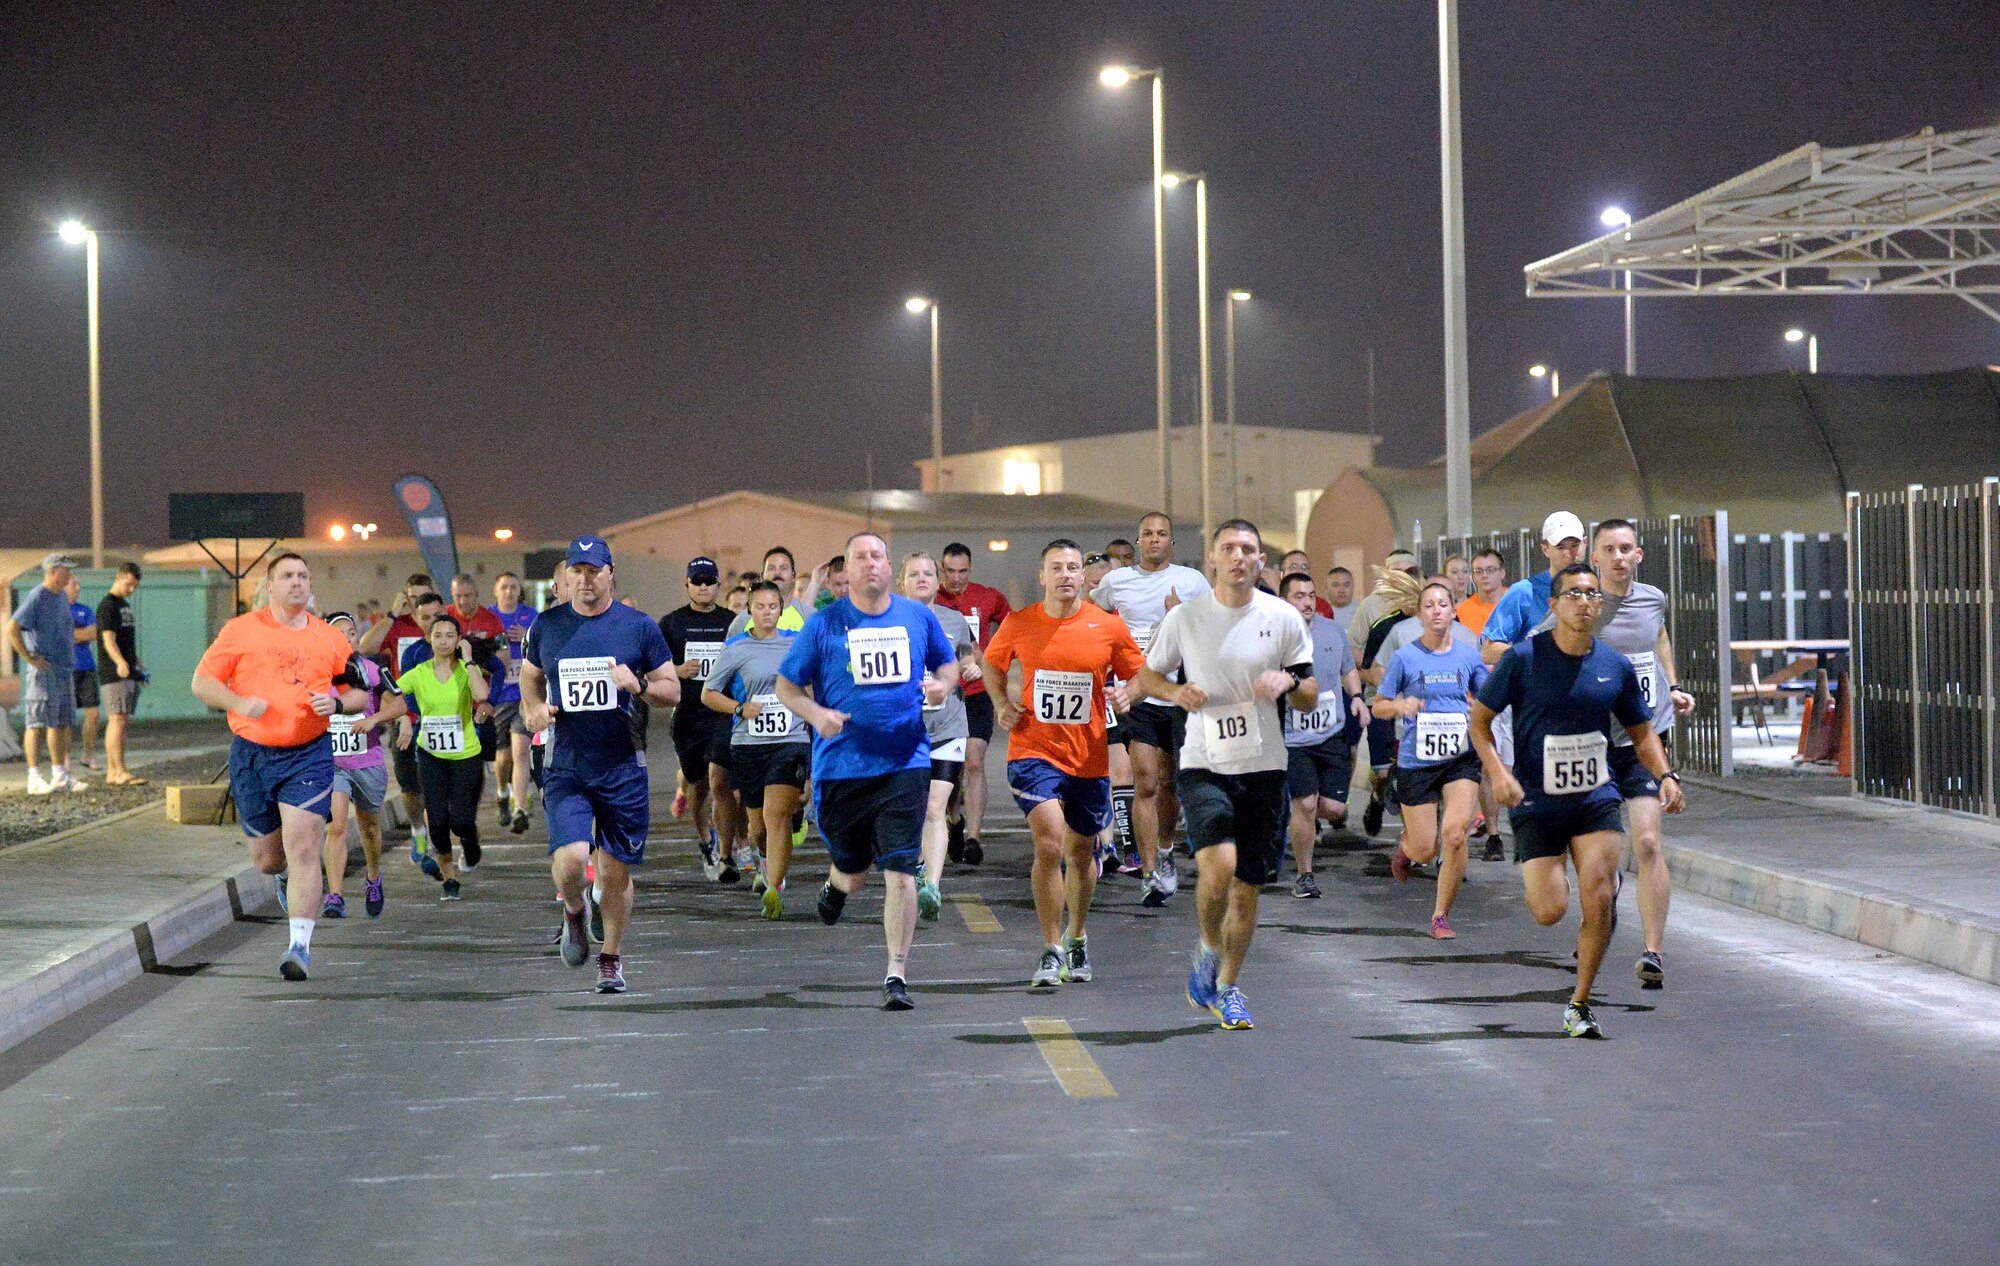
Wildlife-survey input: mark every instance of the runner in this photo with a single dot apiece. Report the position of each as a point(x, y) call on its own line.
point(1117, 850)
point(387, 641)
point(120, 674)
point(782, 570)
point(984, 608)
point(360, 777)
point(1142, 595)
point(1242, 652)
point(443, 691)
point(1368, 614)
point(695, 635)
point(598, 652)
point(408, 653)
point(1297, 561)
point(512, 740)
point(1055, 665)
point(274, 671)
point(1457, 573)
point(1319, 757)
point(1489, 580)
point(1566, 690)
point(1123, 553)
point(1340, 596)
point(945, 728)
point(1428, 685)
point(864, 658)
point(85, 660)
point(770, 751)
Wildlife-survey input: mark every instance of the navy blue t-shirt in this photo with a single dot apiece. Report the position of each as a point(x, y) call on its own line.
point(872, 668)
point(593, 729)
point(1556, 694)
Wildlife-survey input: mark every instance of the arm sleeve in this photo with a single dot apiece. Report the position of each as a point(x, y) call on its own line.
point(1393, 680)
point(723, 675)
point(653, 650)
point(104, 616)
point(1297, 648)
point(219, 660)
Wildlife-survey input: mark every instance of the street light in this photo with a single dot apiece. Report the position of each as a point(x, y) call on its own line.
point(1796, 335)
point(503, 534)
point(1172, 180)
point(1619, 218)
point(363, 530)
point(1554, 376)
point(917, 304)
point(75, 234)
point(336, 533)
point(1117, 77)
point(1229, 387)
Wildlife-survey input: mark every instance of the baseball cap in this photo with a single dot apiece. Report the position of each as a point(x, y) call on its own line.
point(58, 560)
point(1561, 526)
point(703, 571)
point(588, 551)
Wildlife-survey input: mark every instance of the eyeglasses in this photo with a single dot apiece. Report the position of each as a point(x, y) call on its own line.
point(1583, 595)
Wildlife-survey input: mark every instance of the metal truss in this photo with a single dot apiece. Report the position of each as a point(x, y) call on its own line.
point(1915, 215)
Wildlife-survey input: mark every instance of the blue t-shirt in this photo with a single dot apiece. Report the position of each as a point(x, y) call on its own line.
point(872, 668)
point(1521, 610)
point(1554, 694)
point(1446, 681)
point(515, 626)
point(84, 618)
point(592, 742)
point(46, 625)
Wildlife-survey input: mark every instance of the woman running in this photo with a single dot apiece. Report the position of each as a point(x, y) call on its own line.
point(945, 726)
point(360, 777)
point(770, 748)
point(442, 691)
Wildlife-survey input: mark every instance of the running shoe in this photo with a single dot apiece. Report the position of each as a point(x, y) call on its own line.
point(758, 883)
point(1441, 929)
point(930, 902)
point(1202, 994)
point(774, 904)
point(295, 963)
point(1495, 851)
point(1154, 895)
point(519, 826)
point(610, 974)
point(1579, 1022)
point(1305, 885)
point(420, 855)
point(334, 907)
point(896, 995)
point(1168, 874)
point(283, 907)
point(725, 870)
point(469, 862)
point(596, 909)
point(1371, 817)
point(1132, 865)
point(1651, 971)
point(1232, 1009)
point(38, 785)
point(745, 859)
point(1076, 958)
point(506, 814)
point(1400, 864)
point(975, 852)
point(449, 891)
point(711, 858)
point(575, 937)
point(831, 901)
point(1049, 974)
point(373, 900)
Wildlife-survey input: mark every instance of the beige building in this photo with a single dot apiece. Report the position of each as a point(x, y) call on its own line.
point(348, 572)
point(1274, 471)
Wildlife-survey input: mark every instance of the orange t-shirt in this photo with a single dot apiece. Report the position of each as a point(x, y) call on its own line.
point(256, 655)
point(1084, 647)
point(1474, 614)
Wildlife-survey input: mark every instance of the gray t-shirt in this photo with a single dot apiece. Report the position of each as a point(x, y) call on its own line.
point(1224, 649)
point(47, 628)
point(947, 722)
point(1140, 599)
point(746, 671)
point(1332, 660)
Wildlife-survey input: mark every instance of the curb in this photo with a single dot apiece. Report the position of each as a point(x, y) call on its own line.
point(34, 1000)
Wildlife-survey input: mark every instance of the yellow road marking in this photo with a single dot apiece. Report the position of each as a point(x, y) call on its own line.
point(1079, 1074)
point(975, 913)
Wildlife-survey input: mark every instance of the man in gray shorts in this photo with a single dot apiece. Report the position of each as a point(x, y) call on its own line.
point(44, 638)
point(120, 675)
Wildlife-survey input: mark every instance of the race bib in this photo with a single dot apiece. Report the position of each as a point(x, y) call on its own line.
point(403, 645)
point(972, 620)
point(1062, 698)
point(348, 740)
point(703, 656)
point(584, 685)
point(928, 705)
point(1324, 716)
point(879, 657)
point(1229, 731)
point(1110, 713)
point(1574, 763)
point(514, 669)
point(1440, 736)
point(773, 719)
point(1646, 664)
point(441, 736)
point(1143, 635)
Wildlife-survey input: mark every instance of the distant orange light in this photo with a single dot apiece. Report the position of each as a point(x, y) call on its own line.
point(336, 533)
point(503, 534)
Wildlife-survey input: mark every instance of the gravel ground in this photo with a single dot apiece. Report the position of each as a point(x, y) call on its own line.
point(24, 818)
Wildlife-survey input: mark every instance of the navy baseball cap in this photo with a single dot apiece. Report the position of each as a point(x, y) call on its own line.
point(703, 571)
point(588, 551)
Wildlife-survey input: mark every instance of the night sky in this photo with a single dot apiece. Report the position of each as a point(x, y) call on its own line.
point(585, 262)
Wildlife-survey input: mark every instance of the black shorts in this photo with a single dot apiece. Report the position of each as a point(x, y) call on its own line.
point(875, 821)
point(1160, 727)
point(1633, 780)
point(951, 771)
point(405, 759)
point(1381, 742)
point(1549, 834)
point(1325, 769)
point(1250, 811)
point(489, 739)
point(86, 689)
point(718, 749)
point(1114, 731)
point(695, 745)
point(979, 717)
point(756, 766)
point(1424, 784)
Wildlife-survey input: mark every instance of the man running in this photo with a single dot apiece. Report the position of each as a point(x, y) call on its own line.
point(512, 740)
point(770, 751)
point(360, 776)
point(1489, 585)
point(1340, 596)
point(983, 607)
point(600, 655)
point(1054, 665)
point(1566, 690)
point(1319, 759)
point(1242, 652)
point(695, 635)
point(1298, 562)
point(781, 569)
point(864, 658)
point(276, 671)
point(1118, 848)
point(1142, 595)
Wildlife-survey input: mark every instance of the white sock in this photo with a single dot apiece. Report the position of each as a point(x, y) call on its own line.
point(302, 933)
point(597, 892)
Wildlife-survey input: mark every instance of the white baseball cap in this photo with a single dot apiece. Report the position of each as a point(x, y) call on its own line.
point(1560, 527)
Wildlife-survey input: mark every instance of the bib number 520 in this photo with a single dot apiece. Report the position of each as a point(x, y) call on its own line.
point(584, 685)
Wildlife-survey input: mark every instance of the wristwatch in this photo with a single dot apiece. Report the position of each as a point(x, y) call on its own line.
point(1671, 773)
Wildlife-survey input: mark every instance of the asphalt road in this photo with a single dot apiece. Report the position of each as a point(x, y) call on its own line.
point(444, 1090)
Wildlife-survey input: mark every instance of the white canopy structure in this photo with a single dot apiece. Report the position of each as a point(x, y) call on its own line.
point(1915, 215)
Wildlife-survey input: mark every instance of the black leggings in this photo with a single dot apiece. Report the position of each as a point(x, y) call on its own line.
point(451, 799)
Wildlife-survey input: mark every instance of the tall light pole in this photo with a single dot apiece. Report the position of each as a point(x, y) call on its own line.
point(74, 233)
point(917, 304)
point(1795, 335)
point(1553, 375)
point(1620, 218)
point(1119, 77)
point(1457, 373)
point(1229, 386)
point(1200, 179)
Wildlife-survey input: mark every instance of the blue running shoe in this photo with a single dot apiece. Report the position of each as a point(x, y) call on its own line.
point(1232, 1010)
point(283, 908)
point(295, 962)
point(334, 907)
point(1202, 994)
point(374, 899)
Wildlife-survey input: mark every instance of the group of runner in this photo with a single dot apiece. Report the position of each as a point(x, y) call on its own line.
point(1138, 697)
